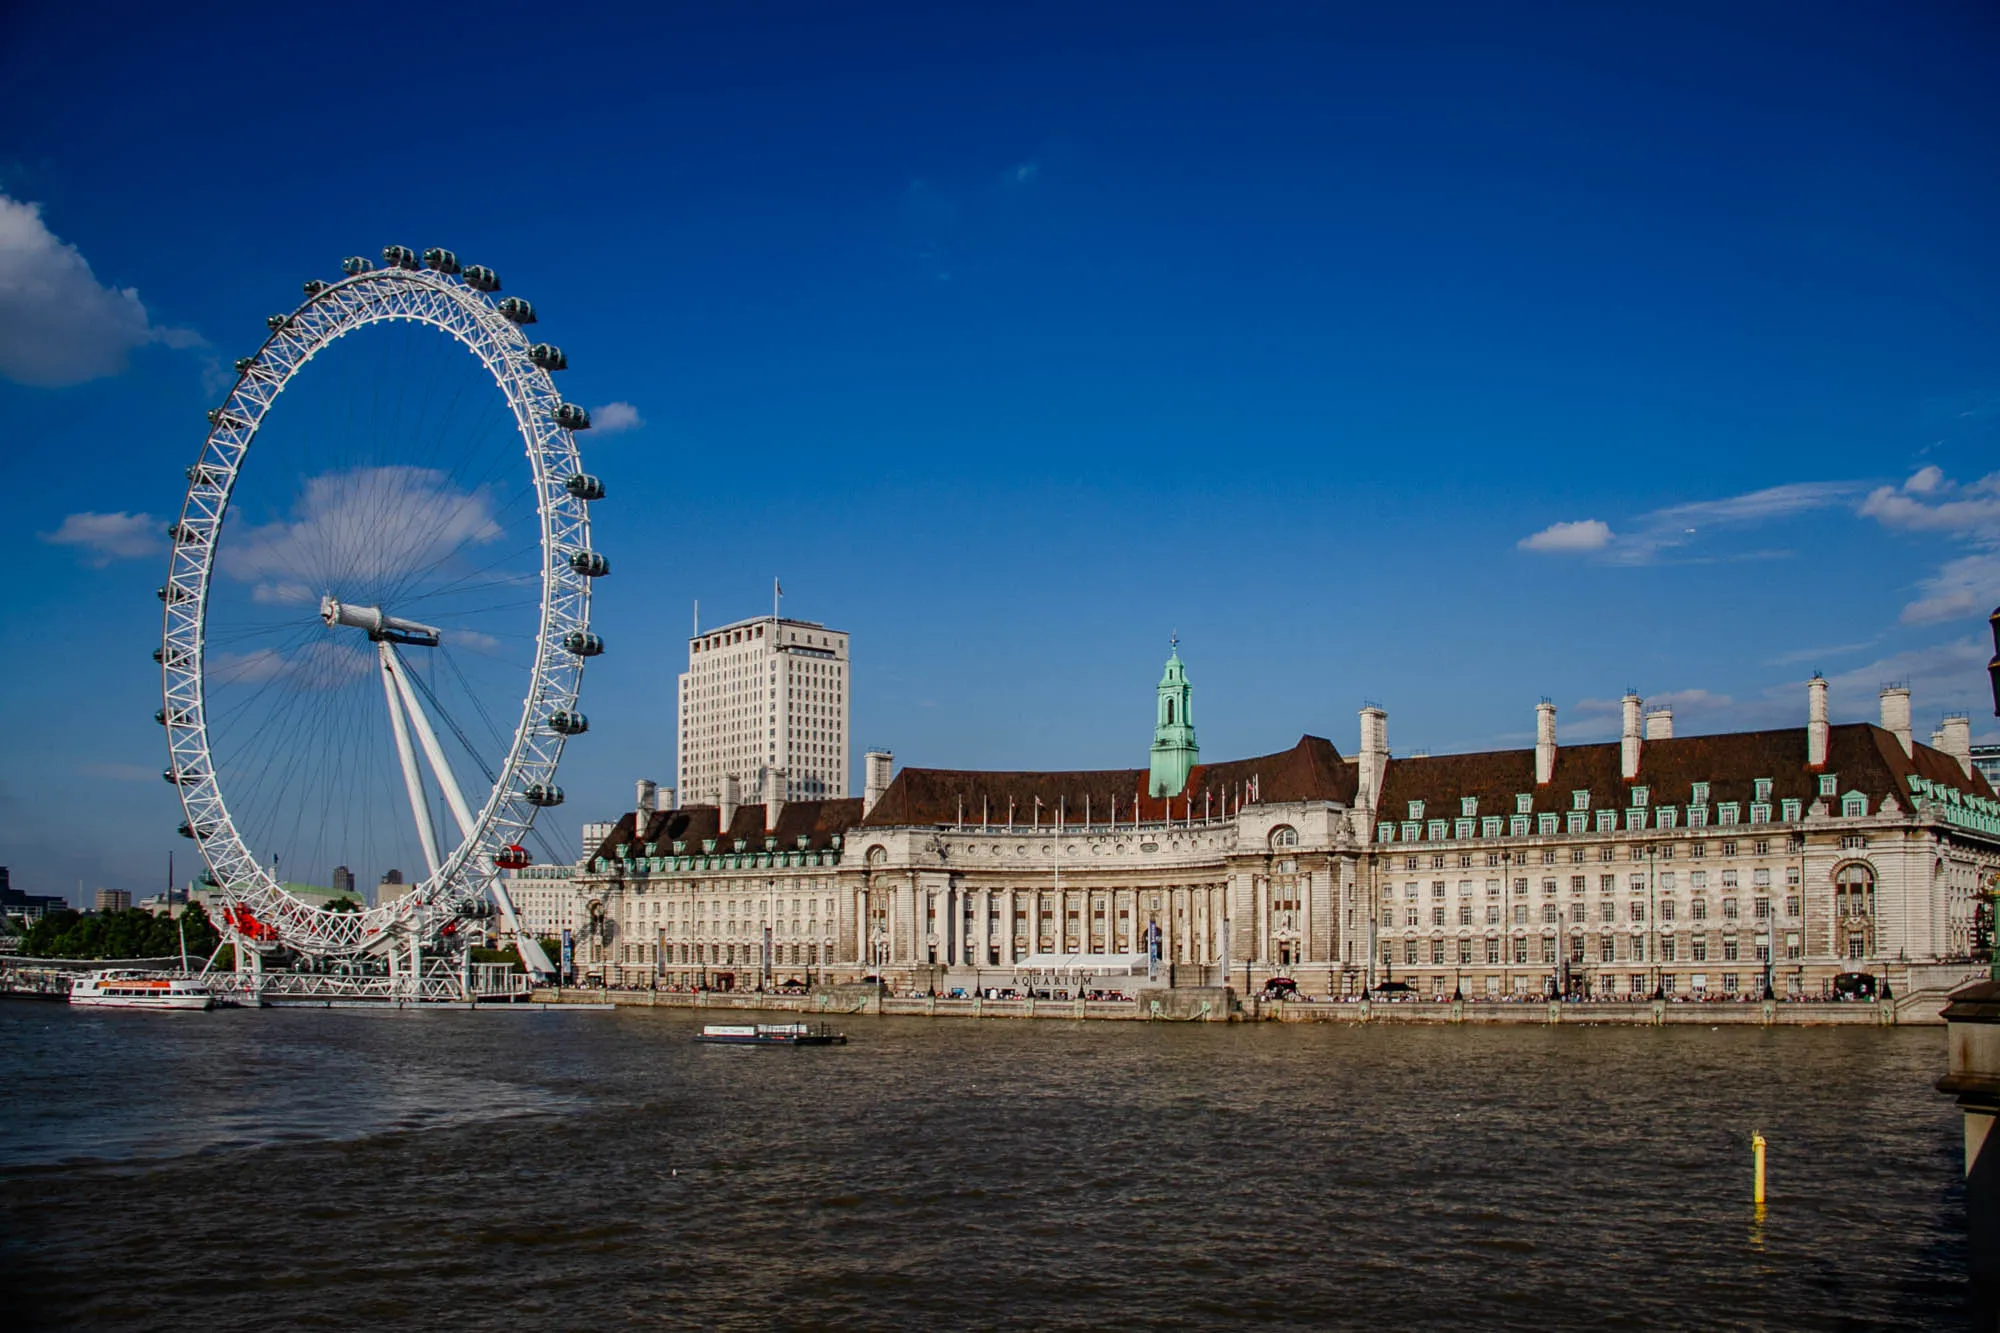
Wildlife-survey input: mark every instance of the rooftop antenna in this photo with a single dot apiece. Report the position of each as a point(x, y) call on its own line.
point(777, 593)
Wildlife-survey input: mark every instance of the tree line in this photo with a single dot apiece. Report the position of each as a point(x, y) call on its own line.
point(131, 933)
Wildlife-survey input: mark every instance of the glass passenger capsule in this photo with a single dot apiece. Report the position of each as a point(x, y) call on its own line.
point(203, 475)
point(481, 278)
point(276, 322)
point(516, 309)
point(220, 416)
point(585, 487)
point(571, 417)
point(544, 795)
point(590, 564)
point(583, 644)
point(355, 265)
point(182, 534)
point(511, 857)
point(313, 287)
point(548, 356)
point(565, 722)
point(399, 256)
point(440, 261)
point(243, 364)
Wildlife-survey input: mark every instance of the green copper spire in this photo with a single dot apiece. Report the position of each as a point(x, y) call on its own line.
point(1174, 751)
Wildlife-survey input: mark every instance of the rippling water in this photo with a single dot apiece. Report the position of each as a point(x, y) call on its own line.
point(325, 1169)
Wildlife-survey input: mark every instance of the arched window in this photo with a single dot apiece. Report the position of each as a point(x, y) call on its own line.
point(1284, 836)
point(1854, 910)
point(1170, 712)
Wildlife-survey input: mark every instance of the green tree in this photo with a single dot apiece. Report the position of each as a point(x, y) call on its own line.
point(111, 935)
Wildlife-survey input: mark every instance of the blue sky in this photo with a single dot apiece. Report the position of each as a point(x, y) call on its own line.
point(1446, 356)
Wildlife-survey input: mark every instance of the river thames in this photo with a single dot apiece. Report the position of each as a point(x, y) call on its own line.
point(244, 1170)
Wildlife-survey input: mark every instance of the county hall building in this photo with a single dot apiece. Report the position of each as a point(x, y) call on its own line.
point(1655, 864)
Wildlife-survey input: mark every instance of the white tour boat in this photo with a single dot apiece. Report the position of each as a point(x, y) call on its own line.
point(125, 989)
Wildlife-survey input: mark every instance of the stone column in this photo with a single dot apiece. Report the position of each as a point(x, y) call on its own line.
point(1305, 915)
point(910, 925)
point(1007, 932)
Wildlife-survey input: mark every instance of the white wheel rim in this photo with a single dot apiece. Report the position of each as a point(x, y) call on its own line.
point(469, 316)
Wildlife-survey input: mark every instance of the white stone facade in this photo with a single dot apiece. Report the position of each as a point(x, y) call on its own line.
point(1693, 866)
point(760, 696)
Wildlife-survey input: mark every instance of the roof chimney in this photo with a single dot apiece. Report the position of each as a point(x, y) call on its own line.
point(644, 800)
point(669, 799)
point(1545, 743)
point(876, 768)
point(1659, 724)
point(774, 797)
point(1816, 728)
point(1374, 758)
point(1628, 749)
point(732, 796)
point(1955, 739)
point(1896, 715)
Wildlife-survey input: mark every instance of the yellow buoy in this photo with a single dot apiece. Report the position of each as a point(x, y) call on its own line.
point(1757, 1151)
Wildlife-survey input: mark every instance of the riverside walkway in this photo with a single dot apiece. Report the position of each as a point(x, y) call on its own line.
point(1214, 1004)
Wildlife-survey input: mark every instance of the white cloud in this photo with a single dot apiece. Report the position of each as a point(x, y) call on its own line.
point(1817, 655)
point(472, 639)
point(1675, 526)
point(337, 525)
point(101, 538)
point(1965, 588)
point(283, 594)
point(1945, 677)
point(320, 665)
point(58, 324)
point(1967, 585)
point(1926, 480)
point(1973, 509)
point(614, 417)
point(1588, 534)
point(118, 772)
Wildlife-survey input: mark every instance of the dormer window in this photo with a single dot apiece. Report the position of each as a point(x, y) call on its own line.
point(1640, 795)
point(1829, 784)
point(1579, 800)
point(1524, 803)
point(1853, 805)
point(1416, 809)
point(1763, 789)
point(1468, 806)
point(1700, 796)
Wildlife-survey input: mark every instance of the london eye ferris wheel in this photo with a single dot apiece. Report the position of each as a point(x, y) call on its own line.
point(376, 619)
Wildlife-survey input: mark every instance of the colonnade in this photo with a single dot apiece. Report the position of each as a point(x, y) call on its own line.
point(976, 926)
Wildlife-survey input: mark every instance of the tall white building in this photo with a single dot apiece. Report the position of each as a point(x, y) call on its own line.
point(765, 699)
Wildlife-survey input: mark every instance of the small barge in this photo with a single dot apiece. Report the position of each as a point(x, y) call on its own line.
point(770, 1034)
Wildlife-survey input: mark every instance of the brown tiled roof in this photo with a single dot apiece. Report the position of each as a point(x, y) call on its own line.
point(1863, 756)
point(818, 822)
point(1312, 770)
